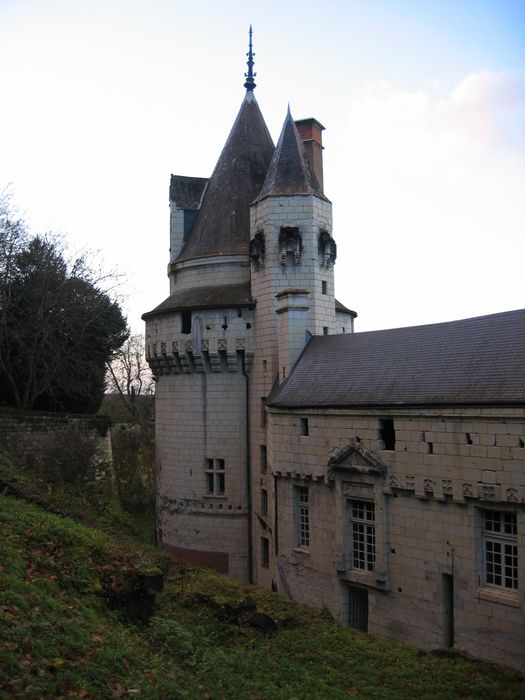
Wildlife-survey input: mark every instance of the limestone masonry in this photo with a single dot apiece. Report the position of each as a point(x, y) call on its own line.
point(381, 474)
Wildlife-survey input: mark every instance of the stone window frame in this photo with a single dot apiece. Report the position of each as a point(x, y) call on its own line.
point(362, 534)
point(263, 459)
point(264, 503)
point(290, 246)
point(258, 250)
point(326, 249)
point(186, 321)
point(359, 475)
point(215, 476)
point(302, 516)
point(498, 533)
point(265, 552)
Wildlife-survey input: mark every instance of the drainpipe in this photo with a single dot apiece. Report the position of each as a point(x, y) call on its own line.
point(248, 471)
point(276, 517)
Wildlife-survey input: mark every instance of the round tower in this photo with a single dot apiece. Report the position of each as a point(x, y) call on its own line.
point(200, 345)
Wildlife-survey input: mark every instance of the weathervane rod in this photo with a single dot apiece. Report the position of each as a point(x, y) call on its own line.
point(250, 75)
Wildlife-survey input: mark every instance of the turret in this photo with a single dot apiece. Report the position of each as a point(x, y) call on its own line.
point(292, 220)
point(200, 344)
point(292, 254)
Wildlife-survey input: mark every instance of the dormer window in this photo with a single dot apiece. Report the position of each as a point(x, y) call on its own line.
point(185, 322)
point(290, 245)
point(257, 250)
point(327, 249)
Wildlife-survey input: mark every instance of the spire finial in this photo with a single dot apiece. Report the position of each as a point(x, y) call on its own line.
point(250, 75)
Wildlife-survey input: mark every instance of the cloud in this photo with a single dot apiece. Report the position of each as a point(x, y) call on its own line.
point(489, 107)
point(433, 187)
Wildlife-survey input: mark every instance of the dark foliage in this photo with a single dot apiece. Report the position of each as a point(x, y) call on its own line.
point(57, 328)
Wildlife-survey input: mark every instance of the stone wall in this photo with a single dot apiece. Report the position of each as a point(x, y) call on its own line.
point(444, 472)
point(60, 448)
point(294, 294)
point(201, 419)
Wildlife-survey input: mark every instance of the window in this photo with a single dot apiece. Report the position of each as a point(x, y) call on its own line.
point(326, 330)
point(185, 326)
point(324, 287)
point(265, 552)
point(189, 218)
point(303, 425)
point(263, 459)
point(263, 412)
point(215, 476)
point(264, 503)
point(387, 433)
point(290, 245)
point(500, 548)
point(363, 535)
point(302, 516)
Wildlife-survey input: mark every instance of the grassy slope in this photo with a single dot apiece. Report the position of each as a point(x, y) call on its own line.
point(64, 633)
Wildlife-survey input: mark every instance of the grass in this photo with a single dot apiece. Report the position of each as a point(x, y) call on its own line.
point(67, 630)
point(74, 500)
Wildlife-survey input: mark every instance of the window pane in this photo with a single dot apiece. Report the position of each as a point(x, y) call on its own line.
point(363, 535)
point(500, 555)
point(303, 516)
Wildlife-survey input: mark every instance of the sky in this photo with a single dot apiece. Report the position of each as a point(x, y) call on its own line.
point(423, 104)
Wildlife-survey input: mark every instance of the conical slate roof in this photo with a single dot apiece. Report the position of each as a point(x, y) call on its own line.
point(222, 226)
point(289, 172)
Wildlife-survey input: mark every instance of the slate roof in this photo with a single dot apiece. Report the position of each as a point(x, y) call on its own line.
point(289, 172)
point(222, 226)
point(342, 309)
point(211, 297)
point(186, 192)
point(474, 361)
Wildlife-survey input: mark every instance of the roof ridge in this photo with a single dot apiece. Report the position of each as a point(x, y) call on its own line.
point(439, 323)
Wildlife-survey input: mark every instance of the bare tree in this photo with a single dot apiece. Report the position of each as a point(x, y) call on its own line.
point(13, 237)
point(129, 376)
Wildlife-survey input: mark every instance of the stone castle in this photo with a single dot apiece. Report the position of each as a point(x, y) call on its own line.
point(381, 474)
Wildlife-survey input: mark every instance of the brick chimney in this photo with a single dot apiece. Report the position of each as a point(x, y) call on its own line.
point(310, 131)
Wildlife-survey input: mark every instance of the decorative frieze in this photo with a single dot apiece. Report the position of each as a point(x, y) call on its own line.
point(205, 355)
point(489, 492)
point(173, 506)
point(457, 490)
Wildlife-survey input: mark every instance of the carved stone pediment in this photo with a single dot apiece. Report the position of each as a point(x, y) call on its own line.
point(357, 459)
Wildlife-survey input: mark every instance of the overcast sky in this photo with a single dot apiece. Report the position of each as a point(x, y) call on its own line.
point(423, 104)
